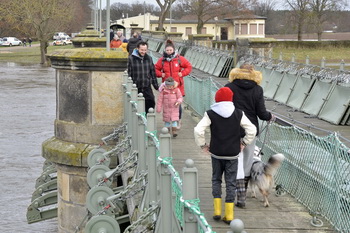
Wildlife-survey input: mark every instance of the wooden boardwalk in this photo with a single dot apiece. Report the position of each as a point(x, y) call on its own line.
point(285, 214)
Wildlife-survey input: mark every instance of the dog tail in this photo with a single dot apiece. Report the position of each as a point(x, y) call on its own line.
point(273, 164)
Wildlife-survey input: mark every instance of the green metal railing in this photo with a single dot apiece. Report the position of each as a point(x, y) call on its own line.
point(316, 170)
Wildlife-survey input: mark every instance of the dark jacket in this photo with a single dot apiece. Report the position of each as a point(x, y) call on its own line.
point(132, 44)
point(248, 95)
point(141, 70)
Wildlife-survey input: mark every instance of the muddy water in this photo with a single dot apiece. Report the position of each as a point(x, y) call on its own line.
point(27, 113)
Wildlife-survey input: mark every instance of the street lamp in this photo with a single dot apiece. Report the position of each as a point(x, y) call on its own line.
point(216, 27)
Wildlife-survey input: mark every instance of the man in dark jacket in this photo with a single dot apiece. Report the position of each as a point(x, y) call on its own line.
point(244, 82)
point(132, 43)
point(141, 70)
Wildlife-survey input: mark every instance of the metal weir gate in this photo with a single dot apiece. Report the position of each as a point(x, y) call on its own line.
point(153, 197)
point(318, 91)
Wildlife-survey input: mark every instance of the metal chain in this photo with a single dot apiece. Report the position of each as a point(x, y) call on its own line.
point(121, 130)
point(125, 165)
point(120, 148)
point(137, 223)
point(122, 196)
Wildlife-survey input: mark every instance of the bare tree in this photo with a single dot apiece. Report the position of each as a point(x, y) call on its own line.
point(319, 10)
point(202, 9)
point(44, 17)
point(123, 10)
point(263, 8)
point(164, 9)
point(299, 13)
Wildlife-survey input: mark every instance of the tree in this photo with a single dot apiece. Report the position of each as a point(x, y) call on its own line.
point(299, 13)
point(319, 10)
point(265, 9)
point(123, 10)
point(164, 10)
point(43, 17)
point(203, 10)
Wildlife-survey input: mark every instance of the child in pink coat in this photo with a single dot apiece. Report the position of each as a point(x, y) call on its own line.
point(169, 100)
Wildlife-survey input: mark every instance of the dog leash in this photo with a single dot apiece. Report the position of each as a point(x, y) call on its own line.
point(266, 129)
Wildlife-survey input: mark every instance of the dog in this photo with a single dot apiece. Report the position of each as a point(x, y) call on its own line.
point(261, 174)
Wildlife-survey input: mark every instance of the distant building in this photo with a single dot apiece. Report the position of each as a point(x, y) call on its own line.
point(223, 29)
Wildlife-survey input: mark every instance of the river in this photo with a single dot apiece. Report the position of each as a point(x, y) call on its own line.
point(27, 114)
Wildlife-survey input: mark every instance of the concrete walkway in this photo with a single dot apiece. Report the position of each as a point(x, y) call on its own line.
point(285, 214)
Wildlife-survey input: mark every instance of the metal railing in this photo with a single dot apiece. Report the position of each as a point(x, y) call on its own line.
point(152, 190)
point(316, 170)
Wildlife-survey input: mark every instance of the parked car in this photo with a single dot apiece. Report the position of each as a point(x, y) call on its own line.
point(0, 41)
point(10, 41)
point(59, 35)
point(62, 41)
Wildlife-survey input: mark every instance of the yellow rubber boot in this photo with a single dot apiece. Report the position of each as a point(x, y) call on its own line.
point(217, 209)
point(229, 210)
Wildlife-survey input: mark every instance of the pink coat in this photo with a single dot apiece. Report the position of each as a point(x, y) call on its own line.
point(167, 99)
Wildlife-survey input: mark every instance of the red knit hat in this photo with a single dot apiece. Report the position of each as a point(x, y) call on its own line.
point(224, 94)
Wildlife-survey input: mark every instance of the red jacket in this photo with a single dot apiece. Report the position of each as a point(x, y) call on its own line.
point(172, 69)
point(116, 43)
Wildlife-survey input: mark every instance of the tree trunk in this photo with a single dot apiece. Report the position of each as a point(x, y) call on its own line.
point(299, 32)
point(43, 51)
point(319, 36)
point(161, 22)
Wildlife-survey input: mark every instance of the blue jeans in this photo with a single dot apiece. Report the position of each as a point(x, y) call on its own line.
point(229, 169)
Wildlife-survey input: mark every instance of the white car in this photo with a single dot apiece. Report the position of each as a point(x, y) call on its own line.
point(10, 41)
point(63, 41)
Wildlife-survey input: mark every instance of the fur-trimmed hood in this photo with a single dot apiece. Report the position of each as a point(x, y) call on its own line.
point(252, 75)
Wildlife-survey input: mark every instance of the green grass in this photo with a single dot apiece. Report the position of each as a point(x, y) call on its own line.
point(26, 54)
point(332, 55)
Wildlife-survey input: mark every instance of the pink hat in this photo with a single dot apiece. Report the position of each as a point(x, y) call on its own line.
point(224, 94)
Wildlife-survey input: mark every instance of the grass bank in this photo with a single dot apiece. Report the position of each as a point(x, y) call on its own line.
point(27, 54)
point(332, 55)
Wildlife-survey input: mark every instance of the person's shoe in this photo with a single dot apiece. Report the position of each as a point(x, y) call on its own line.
point(217, 209)
point(174, 132)
point(229, 208)
point(240, 205)
point(179, 124)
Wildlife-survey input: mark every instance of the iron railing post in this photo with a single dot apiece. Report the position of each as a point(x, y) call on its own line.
point(141, 133)
point(165, 224)
point(134, 117)
point(190, 192)
point(151, 158)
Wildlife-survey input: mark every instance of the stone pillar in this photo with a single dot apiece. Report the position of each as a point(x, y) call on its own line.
point(205, 40)
point(89, 106)
point(159, 35)
point(175, 36)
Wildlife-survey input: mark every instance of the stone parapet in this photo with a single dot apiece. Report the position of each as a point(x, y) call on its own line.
point(89, 103)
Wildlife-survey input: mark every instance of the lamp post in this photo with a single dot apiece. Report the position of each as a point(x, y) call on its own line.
point(100, 21)
point(108, 25)
point(171, 3)
point(216, 27)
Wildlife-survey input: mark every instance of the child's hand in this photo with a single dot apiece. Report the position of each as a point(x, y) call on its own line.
point(177, 103)
point(180, 74)
point(163, 75)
